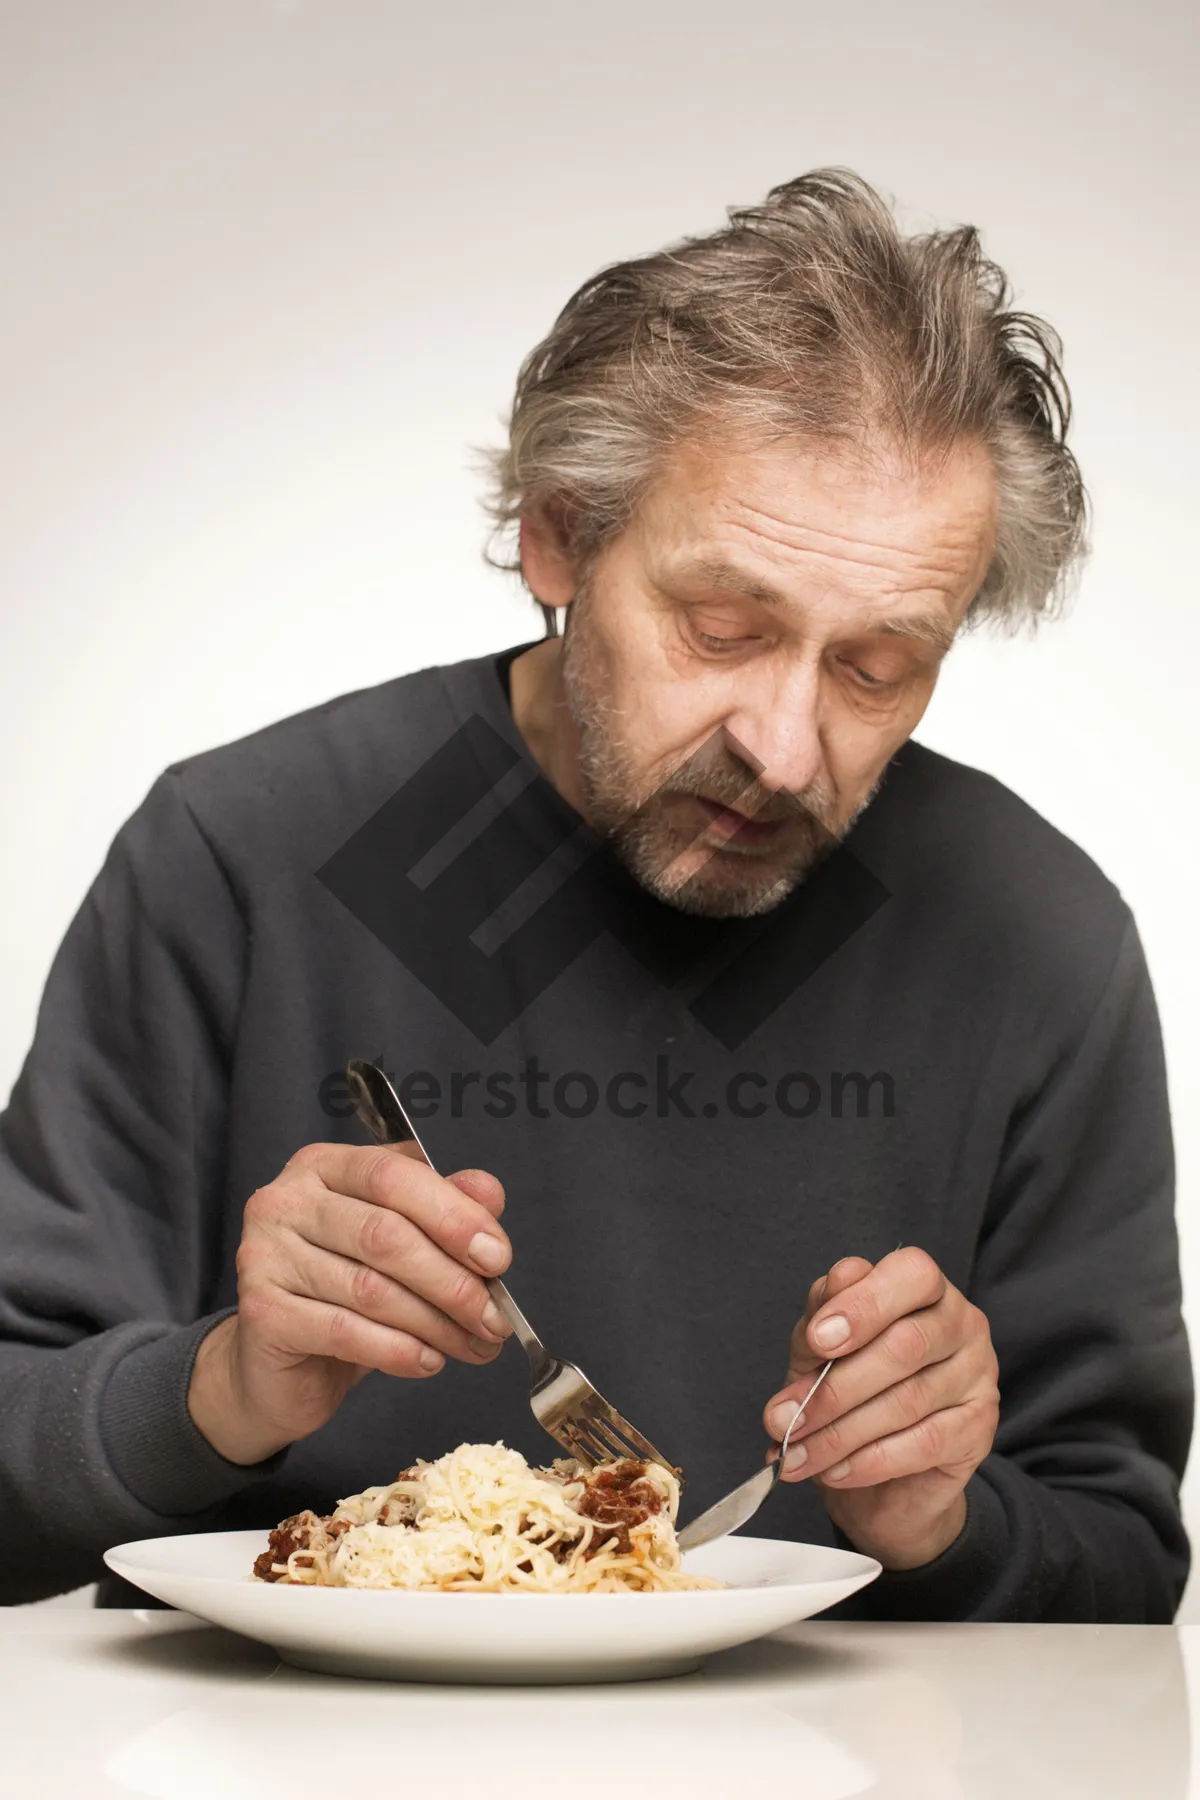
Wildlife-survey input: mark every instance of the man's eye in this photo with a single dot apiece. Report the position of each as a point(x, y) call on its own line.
point(864, 676)
point(712, 641)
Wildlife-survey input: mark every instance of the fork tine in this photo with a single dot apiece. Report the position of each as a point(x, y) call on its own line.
point(604, 1431)
point(580, 1446)
point(600, 1451)
point(625, 1435)
point(566, 1436)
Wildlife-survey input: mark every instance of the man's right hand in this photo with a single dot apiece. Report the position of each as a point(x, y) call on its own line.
point(350, 1260)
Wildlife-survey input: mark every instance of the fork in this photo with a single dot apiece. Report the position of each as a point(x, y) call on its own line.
point(742, 1504)
point(564, 1402)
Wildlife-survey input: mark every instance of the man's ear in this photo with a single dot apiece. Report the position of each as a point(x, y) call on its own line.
point(548, 569)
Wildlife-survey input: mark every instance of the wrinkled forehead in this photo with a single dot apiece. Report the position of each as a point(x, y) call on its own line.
point(770, 524)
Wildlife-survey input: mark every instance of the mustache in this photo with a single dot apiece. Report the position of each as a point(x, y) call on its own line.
point(733, 783)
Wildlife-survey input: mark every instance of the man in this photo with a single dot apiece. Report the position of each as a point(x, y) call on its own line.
point(677, 945)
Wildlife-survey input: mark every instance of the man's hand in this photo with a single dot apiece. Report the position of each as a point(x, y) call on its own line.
point(350, 1260)
point(906, 1415)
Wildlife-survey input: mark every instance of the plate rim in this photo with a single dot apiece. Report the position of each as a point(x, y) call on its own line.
point(866, 1565)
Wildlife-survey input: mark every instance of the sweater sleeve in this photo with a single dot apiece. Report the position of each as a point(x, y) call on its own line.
point(1075, 1516)
point(111, 1176)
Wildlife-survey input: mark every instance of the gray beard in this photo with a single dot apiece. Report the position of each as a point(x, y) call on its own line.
point(646, 831)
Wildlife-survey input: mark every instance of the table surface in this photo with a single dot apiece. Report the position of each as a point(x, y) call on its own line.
point(97, 1705)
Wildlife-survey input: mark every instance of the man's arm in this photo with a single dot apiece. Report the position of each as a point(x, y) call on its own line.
point(111, 1173)
point(128, 1407)
point(1074, 1513)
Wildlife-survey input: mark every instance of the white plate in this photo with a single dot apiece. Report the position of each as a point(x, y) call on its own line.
point(497, 1637)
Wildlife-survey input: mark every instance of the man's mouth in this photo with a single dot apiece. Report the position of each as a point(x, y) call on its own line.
point(726, 823)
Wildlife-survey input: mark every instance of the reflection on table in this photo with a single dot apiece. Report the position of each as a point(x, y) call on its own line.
point(104, 1705)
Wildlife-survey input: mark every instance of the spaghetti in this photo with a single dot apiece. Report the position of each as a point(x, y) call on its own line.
point(480, 1520)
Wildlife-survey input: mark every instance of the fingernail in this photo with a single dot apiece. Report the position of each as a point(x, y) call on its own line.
point(797, 1456)
point(431, 1361)
point(486, 1252)
point(838, 1473)
point(484, 1346)
point(495, 1321)
point(780, 1417)
point(831, 1332)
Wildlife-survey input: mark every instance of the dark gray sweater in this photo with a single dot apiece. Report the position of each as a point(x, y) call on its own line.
point(946, 1038)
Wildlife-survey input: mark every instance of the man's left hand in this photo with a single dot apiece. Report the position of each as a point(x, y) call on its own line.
point(907, 1413)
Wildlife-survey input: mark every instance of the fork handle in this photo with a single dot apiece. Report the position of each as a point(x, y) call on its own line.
point(380, 1109)
point(527, 1337)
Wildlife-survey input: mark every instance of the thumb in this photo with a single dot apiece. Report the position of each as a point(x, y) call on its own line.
point(801, 1359)
point(476, 1184)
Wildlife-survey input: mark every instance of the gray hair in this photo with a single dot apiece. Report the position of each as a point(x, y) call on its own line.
point(812, 314)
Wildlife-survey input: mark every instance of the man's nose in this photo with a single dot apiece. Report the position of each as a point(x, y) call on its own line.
point(776, 723)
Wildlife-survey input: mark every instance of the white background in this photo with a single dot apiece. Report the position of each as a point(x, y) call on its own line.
point(269, 270)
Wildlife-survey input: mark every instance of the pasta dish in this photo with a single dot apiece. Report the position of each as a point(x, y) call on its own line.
point(481, 1520)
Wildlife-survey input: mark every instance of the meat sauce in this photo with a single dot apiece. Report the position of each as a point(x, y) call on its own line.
point(292, 1535)
point(618, 1499)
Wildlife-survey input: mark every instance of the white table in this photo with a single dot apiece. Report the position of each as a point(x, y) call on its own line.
point(99, 1706)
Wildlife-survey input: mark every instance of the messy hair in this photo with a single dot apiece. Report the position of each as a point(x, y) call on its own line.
point(813, 315)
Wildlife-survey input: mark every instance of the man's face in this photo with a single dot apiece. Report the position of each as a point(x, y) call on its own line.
point(746, 656)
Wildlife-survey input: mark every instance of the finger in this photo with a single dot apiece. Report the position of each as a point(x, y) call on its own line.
point(314, 1328)
point(409, 1148)
point(383, 1240)
point(944, 1385)
point(320, 1275)
point(478, 1185)
point(851, 1269)
point(912, 1343)
point(464, 1229)
point(844, 1274)
point(954, 1441)
point(901, 1283)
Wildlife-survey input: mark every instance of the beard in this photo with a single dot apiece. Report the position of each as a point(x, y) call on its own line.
point(659, 826)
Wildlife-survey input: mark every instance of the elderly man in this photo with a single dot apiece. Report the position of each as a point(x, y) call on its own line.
point(772, 1036)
